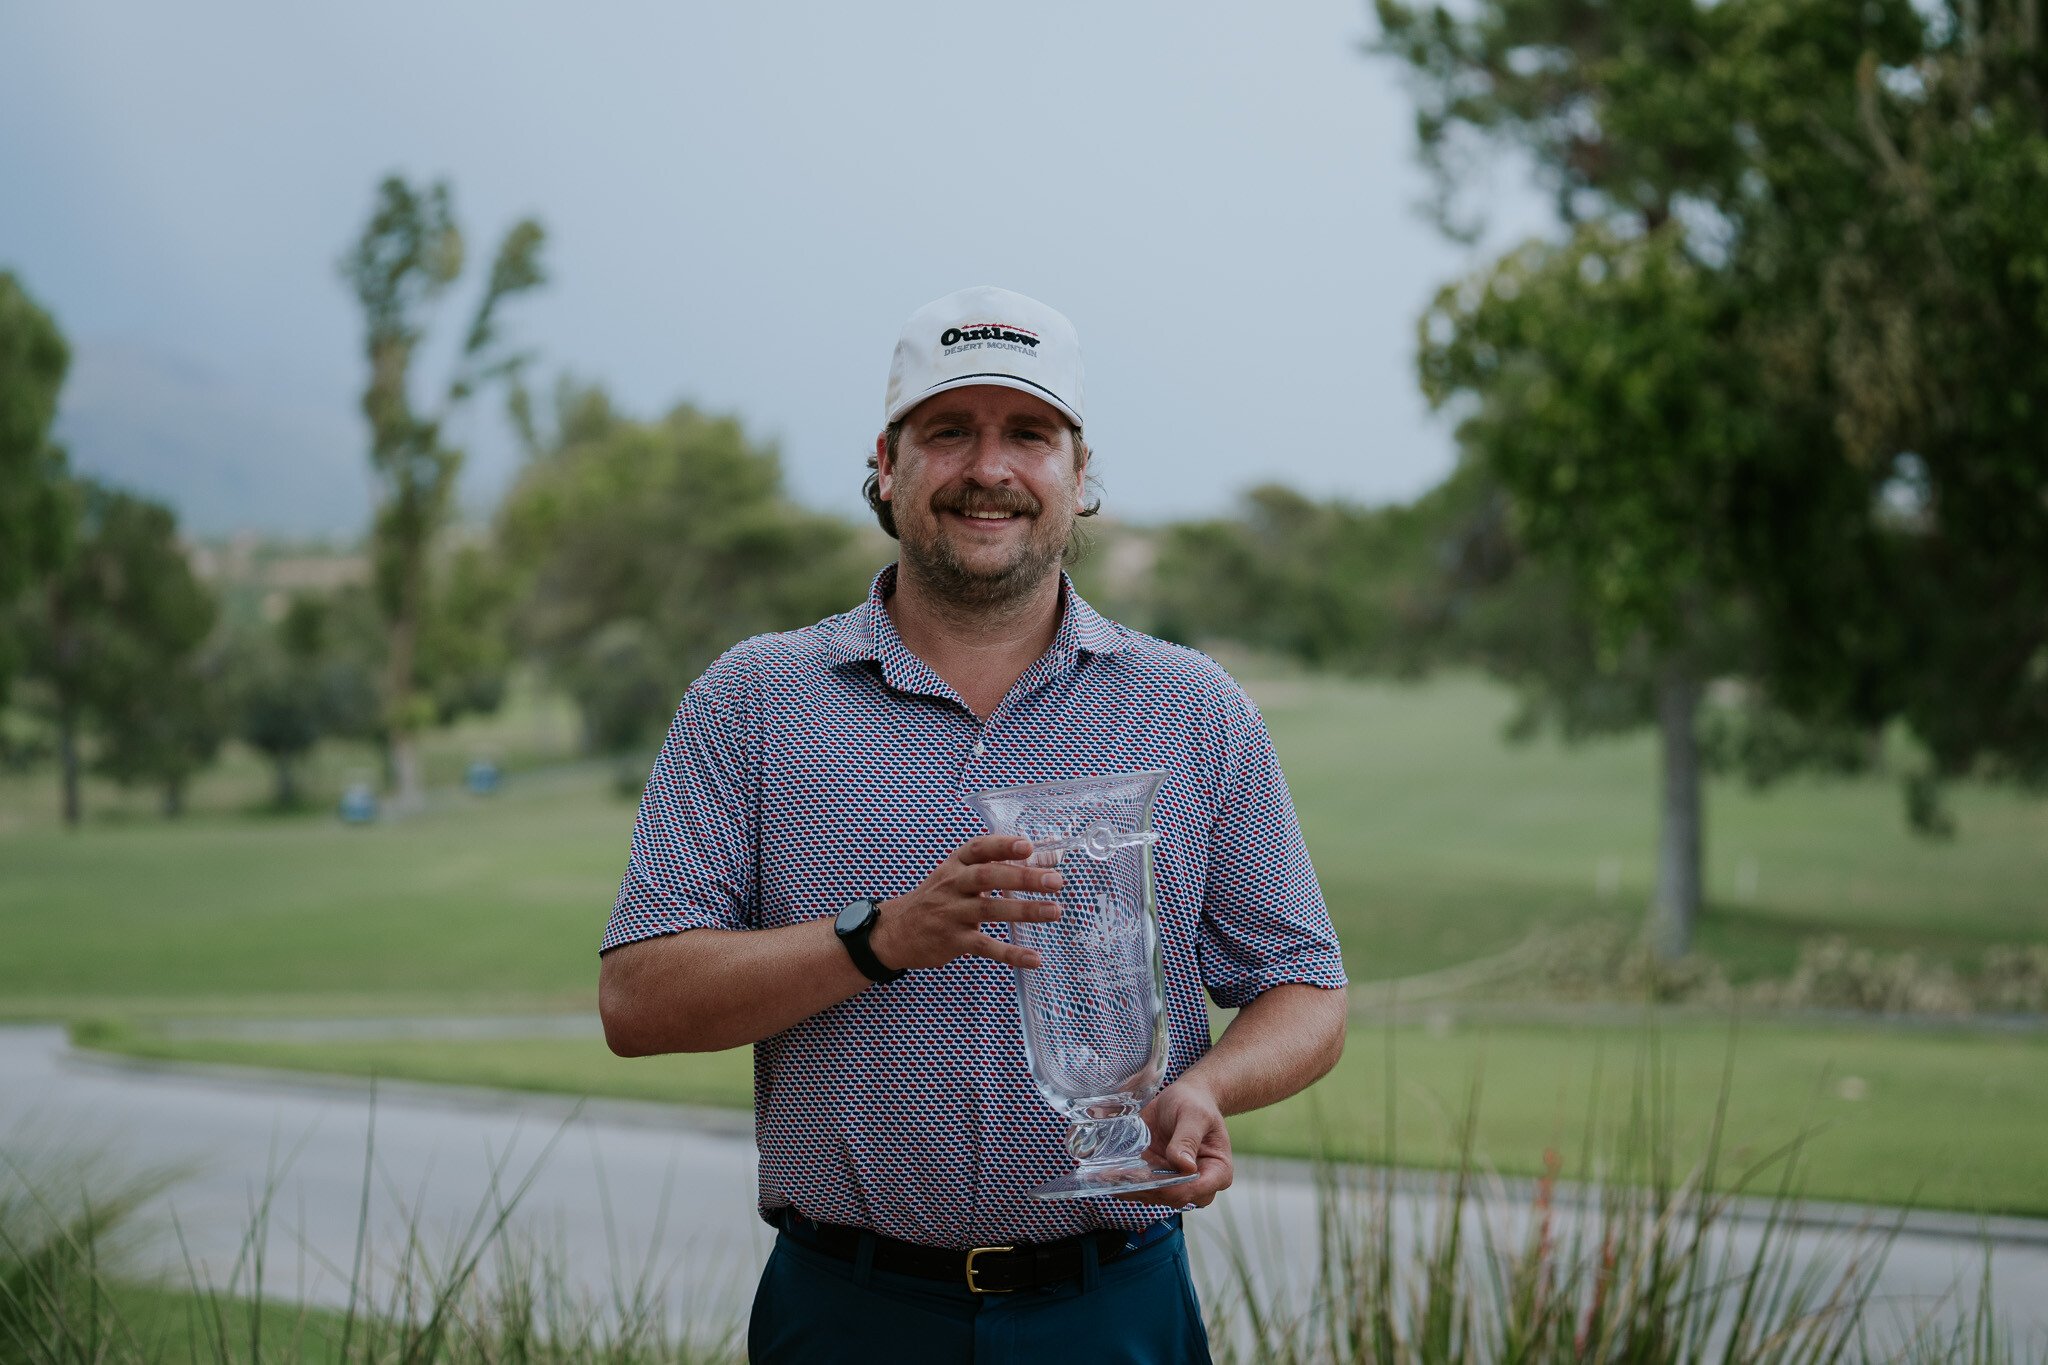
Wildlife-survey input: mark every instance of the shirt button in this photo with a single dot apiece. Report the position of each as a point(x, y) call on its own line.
point(980, 748)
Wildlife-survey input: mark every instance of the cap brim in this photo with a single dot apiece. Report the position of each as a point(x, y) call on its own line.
point(1001, 381)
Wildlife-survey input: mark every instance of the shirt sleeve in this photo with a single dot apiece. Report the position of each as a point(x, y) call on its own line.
point(1264, 922)
point(692, 862)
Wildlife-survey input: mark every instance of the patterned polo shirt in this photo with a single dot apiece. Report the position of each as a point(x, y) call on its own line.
point(812, 767)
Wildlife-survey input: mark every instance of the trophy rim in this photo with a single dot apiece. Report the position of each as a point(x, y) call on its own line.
point(1070, 784)
point(1077, 1184)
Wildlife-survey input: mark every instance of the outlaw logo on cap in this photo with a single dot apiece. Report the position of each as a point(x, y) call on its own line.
point(997, 333)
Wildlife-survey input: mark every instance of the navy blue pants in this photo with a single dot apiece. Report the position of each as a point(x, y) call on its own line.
point(1138, 1310)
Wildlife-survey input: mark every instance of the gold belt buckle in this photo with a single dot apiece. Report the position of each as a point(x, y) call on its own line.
point(970, 1270)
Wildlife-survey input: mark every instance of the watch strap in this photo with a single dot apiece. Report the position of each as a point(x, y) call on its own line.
point(862, 953)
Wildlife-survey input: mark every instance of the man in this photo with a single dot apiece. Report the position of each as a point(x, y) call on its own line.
point(808, 876)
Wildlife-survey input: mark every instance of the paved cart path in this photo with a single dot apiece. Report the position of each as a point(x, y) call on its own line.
point(623, 1177)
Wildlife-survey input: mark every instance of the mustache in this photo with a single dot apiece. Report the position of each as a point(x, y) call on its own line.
point(969, 500)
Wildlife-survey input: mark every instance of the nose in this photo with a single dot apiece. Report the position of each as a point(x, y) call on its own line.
point(988, 463)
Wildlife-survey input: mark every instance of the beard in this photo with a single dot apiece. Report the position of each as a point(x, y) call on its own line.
point(934, 557)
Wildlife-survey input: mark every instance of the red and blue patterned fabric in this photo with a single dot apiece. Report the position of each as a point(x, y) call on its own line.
point(812, 767)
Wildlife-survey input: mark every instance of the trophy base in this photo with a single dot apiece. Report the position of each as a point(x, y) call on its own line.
point(1110, 1180)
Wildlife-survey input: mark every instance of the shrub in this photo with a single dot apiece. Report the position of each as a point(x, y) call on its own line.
point(2014, 980)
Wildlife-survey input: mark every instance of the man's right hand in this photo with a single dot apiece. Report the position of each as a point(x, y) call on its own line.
point(942, 918)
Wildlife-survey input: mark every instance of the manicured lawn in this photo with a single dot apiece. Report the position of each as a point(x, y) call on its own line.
point(1945, 1119)
point(1950, 1119)
point(482, 903)
point(1435, 842)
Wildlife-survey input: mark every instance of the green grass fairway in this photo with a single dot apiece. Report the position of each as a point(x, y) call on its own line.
point(479, 904)
point(1882, 1105)
point(1944, 1119)
point(1435, 842)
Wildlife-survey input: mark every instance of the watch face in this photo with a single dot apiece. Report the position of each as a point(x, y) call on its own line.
point(854, 916)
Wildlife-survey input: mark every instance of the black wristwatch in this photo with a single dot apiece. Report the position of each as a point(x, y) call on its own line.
point(855, 923)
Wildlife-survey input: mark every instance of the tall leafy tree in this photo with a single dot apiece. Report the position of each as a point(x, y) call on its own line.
point(306, 678)
point(464, 651)
point(277, 696)
point(642, 549)
point(409, 254)
point(1360, 589)
point(115, 624)
point(1617, 406)
point(168, 730)
point(33, 359)
point(1638, 386)
point(1936, 322)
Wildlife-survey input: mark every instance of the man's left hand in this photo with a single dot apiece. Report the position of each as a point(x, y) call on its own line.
point(1187, 1135)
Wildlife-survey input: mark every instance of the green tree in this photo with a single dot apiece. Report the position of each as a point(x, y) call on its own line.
point(117, 621)
point(407, 257)
point(1616, 404)
point(1935, 301)
point(624, 683)
point(167, 731)
point(643, 549)
point(309, 677)
point(1359, 589)
point(465, 644)
point(33, 359)
point(341, 634)
point(277, 706)
point(1644, 390)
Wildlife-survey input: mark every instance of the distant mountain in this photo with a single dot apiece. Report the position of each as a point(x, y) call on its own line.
point(226, 456)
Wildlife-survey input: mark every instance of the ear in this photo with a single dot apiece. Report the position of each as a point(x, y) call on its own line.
point(885, 468)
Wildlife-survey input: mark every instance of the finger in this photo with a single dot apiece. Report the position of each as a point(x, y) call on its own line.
point(1217, 1175)
point(992, 848)
point(998, 951)
point(1212, 1179)
point(983, 877)
point(1184, 1149)
point(1017, 912)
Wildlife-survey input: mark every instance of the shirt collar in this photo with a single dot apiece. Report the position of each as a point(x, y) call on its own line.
point(866, 634)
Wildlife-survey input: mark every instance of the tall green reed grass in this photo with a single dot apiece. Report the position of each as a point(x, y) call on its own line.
point(490, 1293)
point(1645, 1254)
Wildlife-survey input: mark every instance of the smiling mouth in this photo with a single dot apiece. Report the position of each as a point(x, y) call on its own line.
point(990, 517)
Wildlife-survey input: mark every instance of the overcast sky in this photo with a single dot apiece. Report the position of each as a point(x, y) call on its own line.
point(744, 201)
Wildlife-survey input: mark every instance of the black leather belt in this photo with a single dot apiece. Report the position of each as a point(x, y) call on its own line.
point(985, 1270)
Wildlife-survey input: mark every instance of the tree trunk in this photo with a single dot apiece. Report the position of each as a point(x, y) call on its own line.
point(1676, 905)
point(67, 757)
point(408, 792)
point(174, 796)
point(287, 791)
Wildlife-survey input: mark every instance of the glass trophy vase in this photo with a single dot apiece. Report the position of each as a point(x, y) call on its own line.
point(1094, 1010)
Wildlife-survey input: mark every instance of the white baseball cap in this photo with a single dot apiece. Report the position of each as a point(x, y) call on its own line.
point(986, 335)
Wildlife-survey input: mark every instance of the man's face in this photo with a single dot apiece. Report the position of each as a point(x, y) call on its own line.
point(984, 487)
